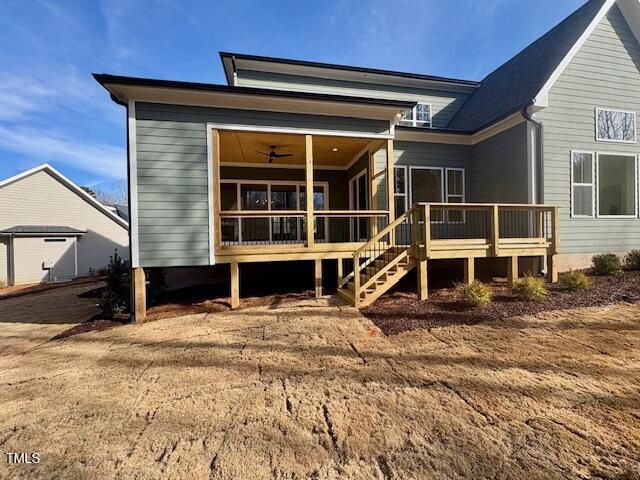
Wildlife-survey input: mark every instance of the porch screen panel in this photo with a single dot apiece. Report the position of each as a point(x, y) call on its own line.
point(254, 197)
point(284, 229)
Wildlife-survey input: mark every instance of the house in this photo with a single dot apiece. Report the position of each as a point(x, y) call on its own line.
point(51, 230)
point(386, 171)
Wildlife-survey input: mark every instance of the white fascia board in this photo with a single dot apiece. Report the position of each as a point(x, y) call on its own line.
point(248, 101)
point(45, 167)
point(541, 97)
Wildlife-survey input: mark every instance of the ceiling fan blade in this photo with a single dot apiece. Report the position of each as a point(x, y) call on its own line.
point(265, 154)
point(280, 155)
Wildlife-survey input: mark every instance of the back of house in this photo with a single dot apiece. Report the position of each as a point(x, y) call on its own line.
point(382, 171)
point(52, 231)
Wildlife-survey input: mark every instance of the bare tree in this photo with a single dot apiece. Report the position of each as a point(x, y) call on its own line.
point(117, 194)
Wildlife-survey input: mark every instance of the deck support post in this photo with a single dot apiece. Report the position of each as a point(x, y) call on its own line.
point(552, 268)
point(512, 270)
point(495, 230)
point(423, 282)
point(235, 285)
point(308, 145)
point(318, 277)
point(340, 272)
point(139, 294)
point(469, 270)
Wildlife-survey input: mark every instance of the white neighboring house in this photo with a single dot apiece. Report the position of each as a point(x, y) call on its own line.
point(51, 230)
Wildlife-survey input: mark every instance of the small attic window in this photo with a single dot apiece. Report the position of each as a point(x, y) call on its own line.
point(615, 126)
point(418, 116)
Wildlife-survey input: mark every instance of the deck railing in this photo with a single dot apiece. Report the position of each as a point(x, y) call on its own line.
point(287, 227)
point(492, 224)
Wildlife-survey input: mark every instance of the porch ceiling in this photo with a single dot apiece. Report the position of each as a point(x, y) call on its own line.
point(242, 148)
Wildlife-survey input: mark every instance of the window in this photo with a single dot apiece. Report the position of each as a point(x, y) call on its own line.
point(400, 190)
point(582, 195)
point(615, 126)
point(455, 193)
point(55, 239)
point(616, 177)
point(418, 116)
point(427, 186)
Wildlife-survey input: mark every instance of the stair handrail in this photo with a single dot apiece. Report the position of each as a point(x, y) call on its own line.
point(356, 255)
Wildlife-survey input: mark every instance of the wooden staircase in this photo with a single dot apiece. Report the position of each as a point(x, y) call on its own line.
point(379, 264)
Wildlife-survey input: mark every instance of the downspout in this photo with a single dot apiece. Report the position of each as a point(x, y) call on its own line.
point(538, 161)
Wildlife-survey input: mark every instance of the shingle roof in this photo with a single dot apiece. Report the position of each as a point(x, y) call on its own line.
point(42, 230)
point(513, 86)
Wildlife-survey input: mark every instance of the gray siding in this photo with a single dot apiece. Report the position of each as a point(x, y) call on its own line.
point(499, 170)
point(444, 104)
point(604, 73)
point(172, 174)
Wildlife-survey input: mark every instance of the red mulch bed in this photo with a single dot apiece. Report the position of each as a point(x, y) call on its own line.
point(402, 311)
point(97, 325)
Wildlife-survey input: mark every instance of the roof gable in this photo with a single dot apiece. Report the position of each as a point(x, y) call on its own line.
point(529, 74)
point(56, 175)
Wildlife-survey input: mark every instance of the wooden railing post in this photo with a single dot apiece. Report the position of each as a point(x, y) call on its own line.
point(356, 279)
point(495, 230)
point(412, 218)
point(309, 189)
point(555, 233)
point(391, 189)
point(427, 229)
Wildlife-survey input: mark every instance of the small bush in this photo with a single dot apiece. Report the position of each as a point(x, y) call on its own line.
point(606, 264)
point(475, 294)
point(3, 283)
point(575, 280)
point(632, 260)
point(530, 288)
point(115, 296)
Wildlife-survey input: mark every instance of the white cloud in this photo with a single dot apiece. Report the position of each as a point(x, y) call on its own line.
point(96, 158)
point(53, 90)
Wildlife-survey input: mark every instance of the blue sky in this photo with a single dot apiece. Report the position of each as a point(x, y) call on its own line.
point(51, 110)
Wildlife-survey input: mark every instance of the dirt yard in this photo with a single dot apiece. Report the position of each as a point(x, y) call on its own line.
point(309, 390)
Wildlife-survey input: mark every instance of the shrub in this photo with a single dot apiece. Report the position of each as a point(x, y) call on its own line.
point(632, 260)
point(475, 294)
point(3, 283)
point(575, 280)
point(115, 296)
point(530, 288)
point(606, 264)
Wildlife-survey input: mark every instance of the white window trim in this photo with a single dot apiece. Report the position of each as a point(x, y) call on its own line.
point(414, 122)
point(635, 184)
point(594, 193)
point(464, 191)
point(405, 195)
point(608, 140)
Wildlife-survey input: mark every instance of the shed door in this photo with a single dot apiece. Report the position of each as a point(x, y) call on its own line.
point(40, 259)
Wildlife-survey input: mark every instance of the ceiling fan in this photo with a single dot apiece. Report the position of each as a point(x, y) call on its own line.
point(273, 155)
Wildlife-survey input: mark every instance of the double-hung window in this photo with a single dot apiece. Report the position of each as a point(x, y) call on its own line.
point(418, 116)
point(615, 126)
point(582, 184)
point(455, 193)
point(400, 190)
